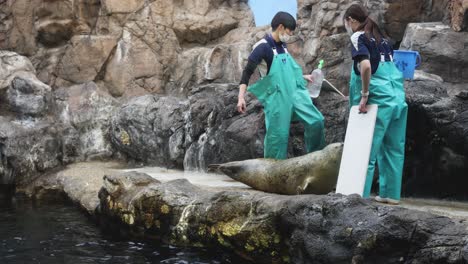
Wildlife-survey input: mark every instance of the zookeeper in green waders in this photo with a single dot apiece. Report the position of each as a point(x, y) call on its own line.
point(376, 80)
point(282, 91)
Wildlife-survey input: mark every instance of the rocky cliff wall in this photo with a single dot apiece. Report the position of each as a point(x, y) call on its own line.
point(156, 81)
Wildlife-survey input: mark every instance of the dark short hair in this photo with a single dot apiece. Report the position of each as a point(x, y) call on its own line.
point(285, 19)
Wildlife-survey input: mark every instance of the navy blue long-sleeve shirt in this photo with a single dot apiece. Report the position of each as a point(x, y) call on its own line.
point(262, 51)
point(368, 48)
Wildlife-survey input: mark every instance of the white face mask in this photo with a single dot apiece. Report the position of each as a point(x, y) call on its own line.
point(284, 37)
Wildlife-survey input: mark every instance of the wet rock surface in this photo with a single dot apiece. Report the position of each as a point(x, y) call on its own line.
point(79, 182)
point(28, 96)
point(270, 228)
point(265, 228)
point(322, 34)
point(129, 49)
point(28, 148)
point(458, 14)
point(86, 122)
point(84, 58)
point(168, 47)
point(43, 129)
point(206, 128)
point(84, 53)
point(21, 92)
point(436, 140)
point(151, 129)
point(188, 133)
point(157, 81)
point(86, 110)
point(443, 51)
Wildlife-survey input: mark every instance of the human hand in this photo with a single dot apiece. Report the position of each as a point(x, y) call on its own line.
point(363, 104)
point(241, 105)
point(309, 78)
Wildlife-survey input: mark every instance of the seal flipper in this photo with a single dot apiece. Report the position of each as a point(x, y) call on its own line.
point(302, 188)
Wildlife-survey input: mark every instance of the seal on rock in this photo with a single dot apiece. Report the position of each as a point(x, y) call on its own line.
point(314, 173)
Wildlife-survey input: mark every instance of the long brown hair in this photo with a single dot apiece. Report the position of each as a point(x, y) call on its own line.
point(359, 13)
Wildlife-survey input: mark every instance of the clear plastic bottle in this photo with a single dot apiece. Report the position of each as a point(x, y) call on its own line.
point(315, 86)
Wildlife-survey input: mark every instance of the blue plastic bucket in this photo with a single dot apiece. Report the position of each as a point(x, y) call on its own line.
point(407, 61)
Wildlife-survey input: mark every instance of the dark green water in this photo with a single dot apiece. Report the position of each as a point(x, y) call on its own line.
point(60, 233)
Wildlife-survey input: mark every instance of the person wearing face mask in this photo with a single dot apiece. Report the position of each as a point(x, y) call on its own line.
point(376, 80)
point(282, 91)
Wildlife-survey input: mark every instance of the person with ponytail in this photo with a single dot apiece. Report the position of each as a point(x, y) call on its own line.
point(376, 80)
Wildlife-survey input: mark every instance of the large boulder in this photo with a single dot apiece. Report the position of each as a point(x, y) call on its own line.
point(206, 128)
point(143, 60)
point(322, 34)
point(29, 148)
point(194, 52)
point(261, 227)
point(437, 142)
point(28, 96)
point(20, 89)
point(84, 58)
point(17, 28)
point(12, 64)
point(268, 228)
point(443, 51)
point(162, 44)
point(30, 144)
point(458, 13)
point(206, 20)
point(220, 63)
point(149, 59)
point(150, 128)
point(191, 133)
point(86, 110)
point(130, 49)
point(79, 182)
point(29, 25)
point(41, 130)
point(216, 133)
point(116, 6)
point(437, 155)
point(394, 16)
point(55, 25)
point(335, 109)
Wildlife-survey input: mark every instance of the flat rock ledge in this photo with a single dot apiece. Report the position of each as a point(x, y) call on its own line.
point(78, 182)
point(269, 228)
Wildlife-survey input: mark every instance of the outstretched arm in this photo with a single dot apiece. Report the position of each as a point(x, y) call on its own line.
point(365, 76)
point(241, 105)
point(246, 74)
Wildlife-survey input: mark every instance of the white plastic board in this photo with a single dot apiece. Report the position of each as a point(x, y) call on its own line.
point(356, 151)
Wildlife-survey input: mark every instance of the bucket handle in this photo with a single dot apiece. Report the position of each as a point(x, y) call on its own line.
point(418, 59)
